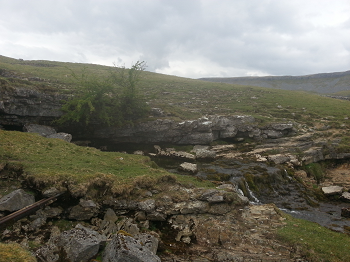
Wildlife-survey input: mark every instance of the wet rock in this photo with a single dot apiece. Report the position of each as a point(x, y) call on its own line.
point(16, 200)
point(189, 167)
point(128, 249)
point(345, 212)
point(75, 245)
point(85, 210)
point(332, 190)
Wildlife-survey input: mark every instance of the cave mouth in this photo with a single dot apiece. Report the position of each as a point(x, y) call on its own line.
point(12, 127)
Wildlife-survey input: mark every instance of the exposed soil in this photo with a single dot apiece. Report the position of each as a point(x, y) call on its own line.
point(339, 176)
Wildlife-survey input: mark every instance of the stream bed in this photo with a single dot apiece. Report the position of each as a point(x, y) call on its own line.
point(264, 184)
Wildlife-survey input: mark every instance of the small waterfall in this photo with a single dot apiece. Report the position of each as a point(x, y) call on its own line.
point(251, 195)
point(288, 176)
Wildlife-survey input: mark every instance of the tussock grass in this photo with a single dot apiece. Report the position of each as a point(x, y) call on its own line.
point(48, 162)
point(317, 243)
point(15, 253)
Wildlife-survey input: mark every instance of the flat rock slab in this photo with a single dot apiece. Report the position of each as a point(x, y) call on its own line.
point(332, 190)
point(16, 200)
point(189, 167)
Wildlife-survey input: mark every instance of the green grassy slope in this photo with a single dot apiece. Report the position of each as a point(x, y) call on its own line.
point(183, 98)
point(326, 83)
point(48, 162)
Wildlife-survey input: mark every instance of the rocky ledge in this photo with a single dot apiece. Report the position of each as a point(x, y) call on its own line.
point(174, 223)
point(201, 131)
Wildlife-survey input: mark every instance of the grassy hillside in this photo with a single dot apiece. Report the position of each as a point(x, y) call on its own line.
point(183, 98)
point(43, 163)
point(326, 83)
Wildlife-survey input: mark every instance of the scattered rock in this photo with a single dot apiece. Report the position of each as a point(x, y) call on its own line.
point(85, 210)
point(139, 152)
point(39, 129)
point(332, 190)
point(129, 249)
point(53, 192)
point(205, 154)
point(63, 136)
point(75, 245)
point(189, 167)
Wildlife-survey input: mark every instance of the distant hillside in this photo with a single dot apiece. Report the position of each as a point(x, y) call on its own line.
point(175, 98)
point(326, 83)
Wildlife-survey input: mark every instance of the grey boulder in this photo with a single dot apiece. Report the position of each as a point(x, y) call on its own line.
point(76, 245)
point(16, 200)
point(124, 248)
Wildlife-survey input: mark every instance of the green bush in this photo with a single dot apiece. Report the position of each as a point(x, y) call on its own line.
point(316, 171)
point(111, 100)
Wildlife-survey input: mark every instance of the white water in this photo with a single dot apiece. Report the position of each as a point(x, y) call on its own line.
point(255, 200)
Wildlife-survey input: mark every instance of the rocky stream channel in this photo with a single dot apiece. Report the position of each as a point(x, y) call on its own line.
point(261, 181)
point(235, 221)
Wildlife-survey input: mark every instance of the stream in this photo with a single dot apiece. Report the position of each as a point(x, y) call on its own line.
point(264, 184)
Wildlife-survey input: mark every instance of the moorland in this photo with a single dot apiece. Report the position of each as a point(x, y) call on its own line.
point(37, 164)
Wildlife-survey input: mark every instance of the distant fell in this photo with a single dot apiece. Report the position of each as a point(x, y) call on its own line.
point(325, 83)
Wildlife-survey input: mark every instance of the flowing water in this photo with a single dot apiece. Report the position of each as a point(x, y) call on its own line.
point(264, 184)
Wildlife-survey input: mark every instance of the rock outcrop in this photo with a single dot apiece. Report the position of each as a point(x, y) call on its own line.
point(201, 131)
point(47, 131)
point(20, 106)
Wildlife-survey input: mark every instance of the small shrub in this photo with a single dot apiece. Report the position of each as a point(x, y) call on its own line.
point(316, 171)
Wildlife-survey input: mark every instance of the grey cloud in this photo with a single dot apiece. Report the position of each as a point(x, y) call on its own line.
point(271, 36)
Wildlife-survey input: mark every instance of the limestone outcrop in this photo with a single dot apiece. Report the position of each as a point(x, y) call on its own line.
point(201, 131)
point(20, 106)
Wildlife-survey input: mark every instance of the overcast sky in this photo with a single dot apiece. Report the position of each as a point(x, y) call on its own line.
point(189, 38)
